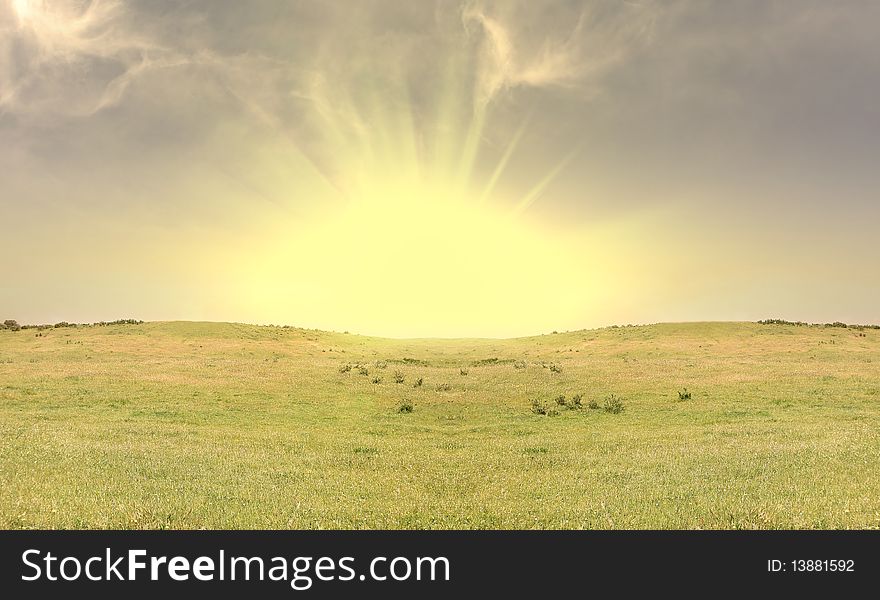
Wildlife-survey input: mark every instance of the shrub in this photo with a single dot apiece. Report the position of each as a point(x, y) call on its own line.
point(613, 405)
point(684, 394)
point(485, 361)
point(376, 379)
point(12, 324)
point(116, 322)
point(444, 387)
point(398, 377)
point(554, 368)
point(405, 407)
point(781, 322)
point(345, 368)
point(552, 412)
point(418, 382)
point(363, 370)
point(538, 407)
point(463, 371)
point(520, 364)
point(560, 400)
point(593, 405)
point(381, 364)
point(577, 401)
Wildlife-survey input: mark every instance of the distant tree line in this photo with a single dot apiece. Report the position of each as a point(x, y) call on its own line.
point(12, 324)
point(804, 324)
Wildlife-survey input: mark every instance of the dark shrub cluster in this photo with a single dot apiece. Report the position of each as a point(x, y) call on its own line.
point(613, 405)
point(13, 325)
point(839, 324)
point(684, 394)
point(539, 408)
point(485, 361)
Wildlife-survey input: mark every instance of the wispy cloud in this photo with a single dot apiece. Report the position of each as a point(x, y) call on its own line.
point(514, 53)
point(70, 58)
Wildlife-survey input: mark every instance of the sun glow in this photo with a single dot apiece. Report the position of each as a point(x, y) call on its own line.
point(409, 237)
point(413, 262)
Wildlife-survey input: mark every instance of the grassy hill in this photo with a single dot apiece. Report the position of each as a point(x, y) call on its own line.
point(190, 425)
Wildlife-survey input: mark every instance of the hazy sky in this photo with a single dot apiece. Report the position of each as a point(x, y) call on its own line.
point(439, 168)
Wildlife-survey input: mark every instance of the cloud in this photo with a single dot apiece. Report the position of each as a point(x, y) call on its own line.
point(518, 50)
point(67, 57)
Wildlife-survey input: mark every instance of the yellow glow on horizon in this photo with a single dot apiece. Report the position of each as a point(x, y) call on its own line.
point(413, 241)
point(413, 261)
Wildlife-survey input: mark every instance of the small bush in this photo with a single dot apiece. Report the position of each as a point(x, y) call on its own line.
point(381, 364)
point(613, 405)
point(593, 405)
point(684, 394)
point(485, 361)
point(552, 412)
point(418, 382)
point(398, 377)
point(405, 407)
point(560, 400)
point(520, 364)
point(363, 370)
point(538, 407)
point(577, 401)
point(444, 387)
point(463, 371)
point(345, 368)
point(554, 368)
point(376, 379)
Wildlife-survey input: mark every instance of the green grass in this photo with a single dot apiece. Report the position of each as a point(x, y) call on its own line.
point(190, 425)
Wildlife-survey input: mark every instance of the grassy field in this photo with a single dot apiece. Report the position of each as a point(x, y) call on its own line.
point(191, 425)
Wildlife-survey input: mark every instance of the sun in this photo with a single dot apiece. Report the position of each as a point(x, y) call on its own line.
point(414, 262)
point(407, 236)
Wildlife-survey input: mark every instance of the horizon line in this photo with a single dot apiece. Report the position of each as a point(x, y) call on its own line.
point(131, 321)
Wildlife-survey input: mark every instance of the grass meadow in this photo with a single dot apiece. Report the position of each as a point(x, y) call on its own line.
point(207, 425)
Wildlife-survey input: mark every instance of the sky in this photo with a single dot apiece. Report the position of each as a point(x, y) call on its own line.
point(440, 168)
